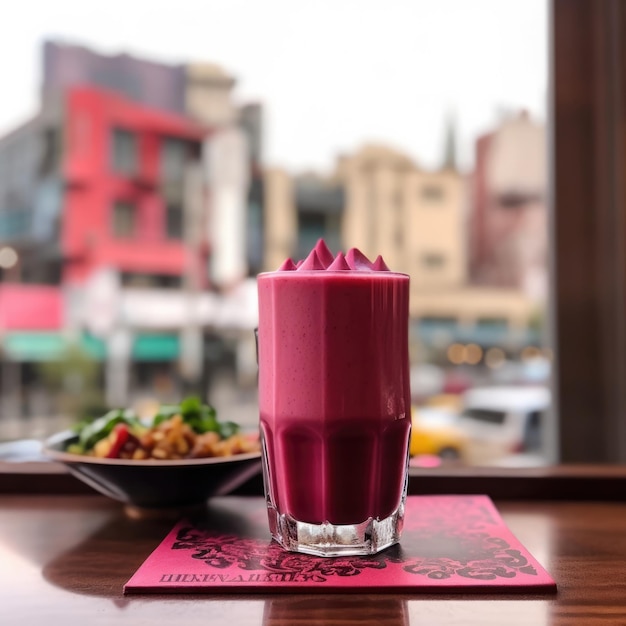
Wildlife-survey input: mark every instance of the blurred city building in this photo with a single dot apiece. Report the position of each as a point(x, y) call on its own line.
point(508, 221)
point(136, 210)
point(413, 217)
point(130, 226)
point(424, 223)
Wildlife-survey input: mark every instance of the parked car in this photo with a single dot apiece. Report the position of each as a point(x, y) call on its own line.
point(434, 432)
point(500, 421)
point(426, 380)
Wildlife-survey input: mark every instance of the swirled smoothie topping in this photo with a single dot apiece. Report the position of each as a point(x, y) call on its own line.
point(321, 258)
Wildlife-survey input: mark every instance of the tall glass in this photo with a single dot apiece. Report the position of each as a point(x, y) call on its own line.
point(334, 405)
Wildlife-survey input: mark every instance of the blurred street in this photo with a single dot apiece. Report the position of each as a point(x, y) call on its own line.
point(232, 404)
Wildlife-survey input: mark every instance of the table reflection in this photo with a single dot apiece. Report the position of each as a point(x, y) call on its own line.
point(331, 609)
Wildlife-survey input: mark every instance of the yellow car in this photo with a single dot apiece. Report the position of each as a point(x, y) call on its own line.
point(449, 401)
point(434, 433)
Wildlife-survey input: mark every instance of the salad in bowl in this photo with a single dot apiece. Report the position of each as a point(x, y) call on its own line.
point(179, 457)
point(189, 430)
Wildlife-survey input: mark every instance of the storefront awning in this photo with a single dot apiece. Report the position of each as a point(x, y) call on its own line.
point(34, 347)
point(156, 347)
point(42, 347)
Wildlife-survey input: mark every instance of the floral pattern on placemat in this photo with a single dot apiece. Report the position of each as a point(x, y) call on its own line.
point(451, 538)
point(227, 551)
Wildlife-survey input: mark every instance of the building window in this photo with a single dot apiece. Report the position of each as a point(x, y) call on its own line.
point(311, 227)
point(433, 260)
point(493, 322)
point(254, 234)
point(124, 151)
point(436, 331)
point(50, 151)
point(517, 200)
point(175, 154)
point(123, 219)
point(449, 323)
point(173, 158)
point(432, 193)
point(162, 281)
point(174, 221)
point(15, 218)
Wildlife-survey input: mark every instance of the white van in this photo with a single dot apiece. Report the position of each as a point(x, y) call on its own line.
point(500, 421)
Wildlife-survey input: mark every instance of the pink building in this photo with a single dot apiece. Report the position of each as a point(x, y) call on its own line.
point(508, 218)
point(131, 212)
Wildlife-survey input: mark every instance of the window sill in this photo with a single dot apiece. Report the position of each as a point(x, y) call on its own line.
point(561, 482)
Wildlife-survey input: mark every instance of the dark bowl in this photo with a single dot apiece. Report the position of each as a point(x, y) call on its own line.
point(154, 484)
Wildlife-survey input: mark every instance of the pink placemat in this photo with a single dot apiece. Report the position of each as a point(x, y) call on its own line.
point(449, 544)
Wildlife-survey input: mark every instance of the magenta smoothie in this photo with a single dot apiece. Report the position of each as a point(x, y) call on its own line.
point(334, 387)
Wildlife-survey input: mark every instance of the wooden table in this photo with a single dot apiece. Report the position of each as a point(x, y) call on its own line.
point(64, 559)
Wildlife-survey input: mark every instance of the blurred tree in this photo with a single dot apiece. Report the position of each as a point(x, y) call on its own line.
point(75, 380)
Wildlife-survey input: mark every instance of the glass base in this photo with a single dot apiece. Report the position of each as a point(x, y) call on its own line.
point(368, 537)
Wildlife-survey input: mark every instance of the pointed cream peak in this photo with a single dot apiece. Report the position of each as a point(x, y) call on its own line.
point(287, 266)
point(323, 253)
point(339, 263)
point(379, 265)
point(312, 262)
point(357, 260)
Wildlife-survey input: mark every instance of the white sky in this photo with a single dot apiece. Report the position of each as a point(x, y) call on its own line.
point(332, 74)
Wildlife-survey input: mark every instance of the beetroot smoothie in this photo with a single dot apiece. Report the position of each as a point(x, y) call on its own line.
point(334, 393)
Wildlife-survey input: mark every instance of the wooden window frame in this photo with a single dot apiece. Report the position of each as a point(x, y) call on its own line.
point(588, 124)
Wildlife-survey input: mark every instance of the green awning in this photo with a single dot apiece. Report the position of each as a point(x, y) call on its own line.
point(34, 346)
point(49, 346)
point(156, 347)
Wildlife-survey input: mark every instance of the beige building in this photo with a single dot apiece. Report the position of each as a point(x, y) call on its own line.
point(416, 219)
point(209, 94)
point(280, 232)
